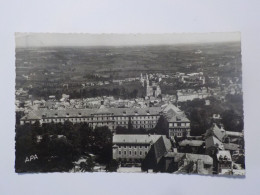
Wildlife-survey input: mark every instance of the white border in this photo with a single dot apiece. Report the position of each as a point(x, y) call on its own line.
point(133, 16)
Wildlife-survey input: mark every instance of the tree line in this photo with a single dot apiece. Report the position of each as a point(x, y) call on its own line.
point(55, 147)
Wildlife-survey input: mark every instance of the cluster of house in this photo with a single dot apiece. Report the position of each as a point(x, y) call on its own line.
point(184, 95)
point(215, 153)
point(23, 102)
point(192, 78)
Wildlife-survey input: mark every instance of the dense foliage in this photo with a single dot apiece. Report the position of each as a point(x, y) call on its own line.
point(54, 147)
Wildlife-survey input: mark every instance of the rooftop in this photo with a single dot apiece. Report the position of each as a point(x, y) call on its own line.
point(135, 138)
point(191, 143)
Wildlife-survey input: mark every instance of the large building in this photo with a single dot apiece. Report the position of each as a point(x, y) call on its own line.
point(134, 148)
point(152, 89)
point(184, 95)
point(179, 124)
point(146, 118)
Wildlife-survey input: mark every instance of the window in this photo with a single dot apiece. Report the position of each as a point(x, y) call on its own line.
point(135, 153)
point(130, 153)
point(141, 153)
point(124, 152)
point(145, 153)
point(119, 152)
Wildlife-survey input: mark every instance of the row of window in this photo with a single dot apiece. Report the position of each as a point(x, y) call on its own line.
point(140, 147)
point(87, 119)
point(177, 134)
point(179, 124)
point(144, 126)
point(130, 153)
point(137, 122)
point(116, 118)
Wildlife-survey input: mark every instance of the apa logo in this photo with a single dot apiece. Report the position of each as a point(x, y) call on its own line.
point(30, 158)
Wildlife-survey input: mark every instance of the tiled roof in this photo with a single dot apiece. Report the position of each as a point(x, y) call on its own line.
point(173, 113)
point(213, 141)
point(216, 131)
point(234, 134)
point(191, 142)
point(38, 114)
point(231, 146)
point(135, 138)
point(192, 157)
point(161, 146)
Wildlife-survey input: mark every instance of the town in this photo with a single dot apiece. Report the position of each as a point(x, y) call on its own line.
point(174, 122)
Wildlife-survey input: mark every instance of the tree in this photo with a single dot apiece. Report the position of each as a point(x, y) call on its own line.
point(85, 136)
point(121, 130)
point(231, 121)
point(130, 126)
point(162, 127)
point(87, 166)
point(112, 166)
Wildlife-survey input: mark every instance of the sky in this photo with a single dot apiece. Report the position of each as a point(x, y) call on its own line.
point(81, 39)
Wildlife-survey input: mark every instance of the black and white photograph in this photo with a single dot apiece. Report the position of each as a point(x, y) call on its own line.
point(129, 103)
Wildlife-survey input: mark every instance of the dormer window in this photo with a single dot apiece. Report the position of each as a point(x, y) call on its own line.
point(67, 114)
point(56, 114)
point(44, 115)
point(147, 112)
point(79, 113)
point(136, 113)
point(124, 112)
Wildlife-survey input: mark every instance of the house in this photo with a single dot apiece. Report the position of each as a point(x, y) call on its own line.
point(179, 124)
point(174, 162)
point(191, 146)
point(133, 148)
point(195, 164)
point(156, 152)
point(224, 162)
point(213, 145)
point(216, 131)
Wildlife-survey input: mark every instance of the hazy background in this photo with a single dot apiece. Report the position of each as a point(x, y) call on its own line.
point(65, 39)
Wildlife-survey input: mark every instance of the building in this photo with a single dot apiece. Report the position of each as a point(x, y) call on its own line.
point(213, 145)
point(152, 89)
point(153, 160)
point(191, 146)
point(224, 162)
point(184, 95)
point(146, 118)
point(133, 148)
point(111, 117)
point(174, 162)
point(179, 124)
